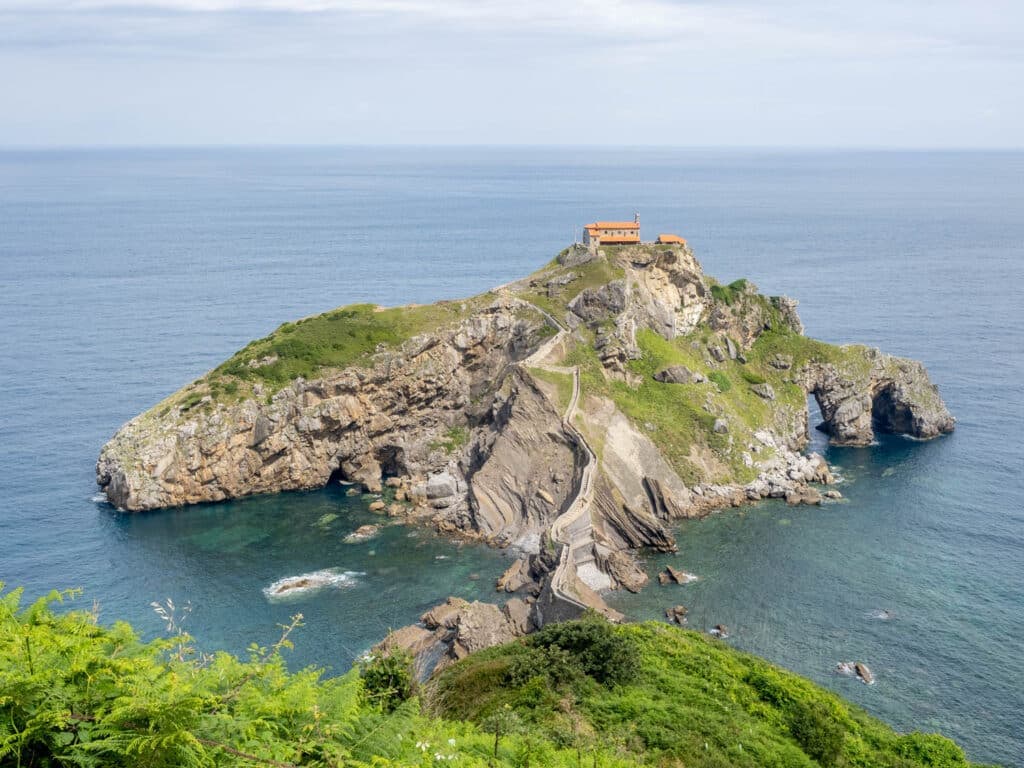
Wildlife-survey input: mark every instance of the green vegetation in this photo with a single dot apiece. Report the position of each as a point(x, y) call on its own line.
point(593, 274)
point(454, 439)
point(74, 693)
point(721, 381)
point(562, 383)
point(343, 337)
point(348, 336)
point(680, 699)
point(727, 294)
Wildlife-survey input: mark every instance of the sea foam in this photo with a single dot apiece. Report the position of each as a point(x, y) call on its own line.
point(295, 586)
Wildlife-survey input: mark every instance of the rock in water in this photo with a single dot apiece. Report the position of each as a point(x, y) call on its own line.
point(864, 673)
point(293, 586)
point(674, 576)
point(362, 533)
point(676, 613)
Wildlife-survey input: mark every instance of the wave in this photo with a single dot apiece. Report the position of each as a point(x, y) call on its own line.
point(98, 498)
point(305, 583)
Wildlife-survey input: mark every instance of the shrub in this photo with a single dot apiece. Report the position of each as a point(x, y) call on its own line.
point(601, 653)
point(817, 733)
point(388, 679)
point(721, 381)
point(931, 749)
point(752, 378)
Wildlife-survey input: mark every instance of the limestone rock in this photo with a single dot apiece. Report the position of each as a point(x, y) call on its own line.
point(513, 481)
point(875, 391)
point(515, 577)
point(804, 495)
point(864, 673)
point(311, 430)
point(594, 305)
point(624, 570)
point(764, 391)
point(674, 576)
point(678, 374)
point(677, 614)
point(362, 533)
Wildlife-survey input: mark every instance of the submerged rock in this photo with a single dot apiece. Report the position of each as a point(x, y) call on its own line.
point(676, 613)
point(362, 533)
point(674, 576)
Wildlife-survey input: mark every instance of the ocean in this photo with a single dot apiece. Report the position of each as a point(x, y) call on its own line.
point(125, 274)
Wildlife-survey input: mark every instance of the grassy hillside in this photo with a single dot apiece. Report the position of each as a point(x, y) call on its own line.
point(74, 693)
point(669, 697)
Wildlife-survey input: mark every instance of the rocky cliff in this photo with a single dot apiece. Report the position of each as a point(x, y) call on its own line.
point(573, 414)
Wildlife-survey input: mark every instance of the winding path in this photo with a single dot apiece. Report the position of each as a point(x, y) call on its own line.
point(573, 529)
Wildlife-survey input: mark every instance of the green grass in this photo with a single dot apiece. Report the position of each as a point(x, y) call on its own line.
point(344, 337)
point(455, 438)
point(727, 294)
point(721, 381)
point(593, 274)
point(689, 701)
point(562, 383)
point(673, 410)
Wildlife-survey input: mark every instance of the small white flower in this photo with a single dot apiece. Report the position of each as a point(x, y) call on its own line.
point(451, 742)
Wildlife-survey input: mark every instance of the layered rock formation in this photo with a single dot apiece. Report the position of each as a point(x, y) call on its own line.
point(573, 415)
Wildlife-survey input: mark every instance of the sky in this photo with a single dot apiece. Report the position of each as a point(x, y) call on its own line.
point(791, 73)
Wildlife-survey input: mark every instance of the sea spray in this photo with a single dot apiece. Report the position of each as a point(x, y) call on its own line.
point(295, 586)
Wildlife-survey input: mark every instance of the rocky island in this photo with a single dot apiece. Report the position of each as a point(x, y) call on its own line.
point(571, 415)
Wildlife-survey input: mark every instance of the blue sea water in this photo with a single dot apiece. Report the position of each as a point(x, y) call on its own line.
point(127, 273)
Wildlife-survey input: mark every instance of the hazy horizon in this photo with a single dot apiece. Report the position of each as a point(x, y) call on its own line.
point(789, 74)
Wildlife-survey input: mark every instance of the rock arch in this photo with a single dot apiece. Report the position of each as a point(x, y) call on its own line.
point(871, 392)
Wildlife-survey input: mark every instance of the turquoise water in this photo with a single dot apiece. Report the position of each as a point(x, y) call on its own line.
point(124, 274)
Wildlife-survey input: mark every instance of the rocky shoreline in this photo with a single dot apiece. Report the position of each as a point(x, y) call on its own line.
point(572, 415)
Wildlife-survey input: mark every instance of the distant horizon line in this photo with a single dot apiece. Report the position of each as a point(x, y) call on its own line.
point(7, 148)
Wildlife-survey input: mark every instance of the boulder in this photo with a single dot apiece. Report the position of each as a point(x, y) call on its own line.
point(377, 506)
point(624, 570)
point(721, 426)
point(676, 613)
point(441, 486)
point(362, 533)
point(515, 577)
point(803, 495)
point(781, 361)
point(864, 673)
point(678, 374)
point(763, 390)
point(730, 346)
point(674, 576)
point(519, 614)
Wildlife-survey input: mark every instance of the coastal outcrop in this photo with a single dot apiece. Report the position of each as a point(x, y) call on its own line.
point(572, 416)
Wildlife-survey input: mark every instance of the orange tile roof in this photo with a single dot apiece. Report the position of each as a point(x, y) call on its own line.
point(670, 239)
point(614, 225)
